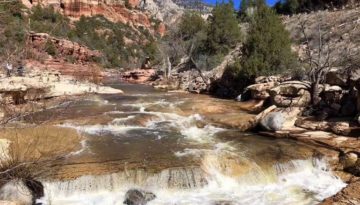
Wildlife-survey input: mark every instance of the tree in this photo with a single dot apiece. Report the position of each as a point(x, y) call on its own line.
point(290, 7)
point(184, 42)
point(268, 47)
point(224, 31)
point(247, 7)
point(318, 60)
point(190, 24)
point(13, 31)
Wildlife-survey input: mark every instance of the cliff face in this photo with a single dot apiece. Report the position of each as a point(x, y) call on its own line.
point(165, 10)
point(135, 12)
point(114, 10)
point(63, 48)
point(194, 5)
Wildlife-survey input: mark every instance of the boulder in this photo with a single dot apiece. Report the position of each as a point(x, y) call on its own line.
point(273, 121)
point(332, 94)
point(354, 76)
point(281, 119)
point(301, 101)
point(291, 94)
point(313, 125)
point(260, 91)
point(341, 128)
point(197, 87)
point(268, 79)
point(337, 76)
point(349, 159)
point(138, 197)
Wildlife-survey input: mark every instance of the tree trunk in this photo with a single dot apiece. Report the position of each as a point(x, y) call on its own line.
point(316, 93)
point(168, 67)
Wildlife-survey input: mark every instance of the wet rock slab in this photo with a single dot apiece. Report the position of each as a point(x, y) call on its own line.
point(348, 196)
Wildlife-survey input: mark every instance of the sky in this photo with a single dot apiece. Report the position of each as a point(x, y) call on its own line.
point(237, 2)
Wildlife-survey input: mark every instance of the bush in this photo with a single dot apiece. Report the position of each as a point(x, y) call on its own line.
point(97, 33)
point(50, 48)
point(12, 31)
point(47, 20)
point(290, 7)
point(267, 51)
point(190, 24)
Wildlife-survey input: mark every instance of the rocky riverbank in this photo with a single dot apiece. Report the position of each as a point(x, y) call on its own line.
point(333, 125)
point(24, 94)
point(283, 108)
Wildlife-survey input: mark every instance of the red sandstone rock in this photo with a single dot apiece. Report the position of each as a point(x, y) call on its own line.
point(113, 10)
point(138, 76)
point(89, 71)
point(64, 47)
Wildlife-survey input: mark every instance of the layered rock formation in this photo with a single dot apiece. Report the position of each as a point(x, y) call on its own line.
point(164, 10)
point(137, 13)
point(114, 10)
point(80, 66)
point(78, 52)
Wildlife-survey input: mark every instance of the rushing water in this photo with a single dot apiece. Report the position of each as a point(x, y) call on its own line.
point(166, 144)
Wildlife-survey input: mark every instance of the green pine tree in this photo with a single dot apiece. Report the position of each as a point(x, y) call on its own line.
point(247, 5)
point(268, 47)
point(224, 31)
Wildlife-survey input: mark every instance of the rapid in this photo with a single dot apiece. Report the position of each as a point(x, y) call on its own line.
point(169, 144)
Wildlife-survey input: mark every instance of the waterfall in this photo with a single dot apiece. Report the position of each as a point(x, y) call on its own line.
point(306, 181)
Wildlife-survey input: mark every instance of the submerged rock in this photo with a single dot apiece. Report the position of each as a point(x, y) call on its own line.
point(138, 197)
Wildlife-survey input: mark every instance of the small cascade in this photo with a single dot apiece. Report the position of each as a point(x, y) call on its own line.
point(114, 185)
point(218, 179)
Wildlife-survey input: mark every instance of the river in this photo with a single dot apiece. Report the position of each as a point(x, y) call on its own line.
point(168, 144)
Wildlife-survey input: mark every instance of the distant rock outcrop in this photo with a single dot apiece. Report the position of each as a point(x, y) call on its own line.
point(63, 47)
point(115, 10)
point(136, 13)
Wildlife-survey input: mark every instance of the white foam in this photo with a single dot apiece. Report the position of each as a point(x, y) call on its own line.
point(100, 129)
point(162, 103)
point(185, 125)
point(84, 148)
point(303, 184)
point(192, 152)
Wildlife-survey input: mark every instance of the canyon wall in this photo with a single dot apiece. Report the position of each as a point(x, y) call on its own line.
point(114, 10)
